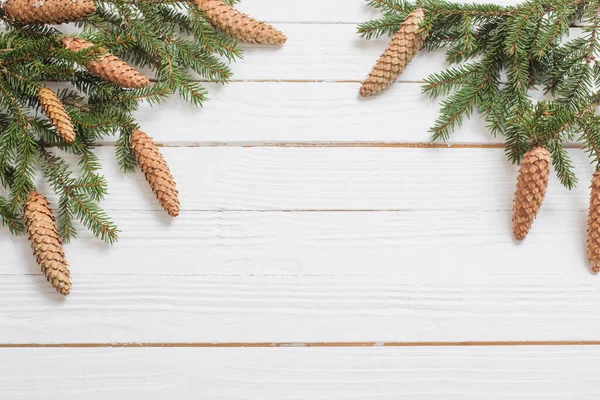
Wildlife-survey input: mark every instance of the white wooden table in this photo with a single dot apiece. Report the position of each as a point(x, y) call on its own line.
point(323, 251)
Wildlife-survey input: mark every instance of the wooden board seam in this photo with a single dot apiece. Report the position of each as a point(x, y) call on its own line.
point(305, 344)
point(313, 144)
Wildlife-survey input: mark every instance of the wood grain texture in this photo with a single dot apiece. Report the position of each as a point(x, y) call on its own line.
point(342, 179)
point(373, 308)
point(336, 11)
point(296, 373)
point(337, 244)
point(331, 52)
point(306, 112)
point(321, 243)
point(301, 112)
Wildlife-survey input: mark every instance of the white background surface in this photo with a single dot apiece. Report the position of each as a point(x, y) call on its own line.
point(315, 228)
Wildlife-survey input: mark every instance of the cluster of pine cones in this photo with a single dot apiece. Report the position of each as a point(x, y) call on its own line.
point(221, 15)
point(534, 171)
point(39, 220)
point(532, 182)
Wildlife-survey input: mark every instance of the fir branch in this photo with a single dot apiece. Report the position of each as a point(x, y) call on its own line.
point(386, 25)
point(8, 218)
point(210, 40)
point(127, 161)
point(517, 39)
point(172, 39)
point(477, 83)
point(392, 6)
point(453, 109)
point(562, 164)
point(526, 43)
point(552, 29)
point(591, 137)
point(446, 81)
point(76, 200)
point(444, 8)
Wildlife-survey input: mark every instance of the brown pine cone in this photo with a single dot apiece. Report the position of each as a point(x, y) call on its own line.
point(109, 67)
point(239, 25)
point(405, 44)
point(48, 11)
point(46, 243)
point(157, 171)
point(532, 183)
point(56, 113)
point(593, 228)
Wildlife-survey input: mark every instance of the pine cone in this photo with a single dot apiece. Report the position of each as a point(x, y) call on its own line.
point(531, 189)
point(157, 171)
point(109, 67)
point(593, 228)
point(404, 46)
point(56, 113)
point(48, 11)
point(45, 242)
point(239, 25)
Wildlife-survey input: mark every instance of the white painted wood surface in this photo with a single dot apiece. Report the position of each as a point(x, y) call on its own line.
point(302, 308)
point(301, 373)
point(310, 215)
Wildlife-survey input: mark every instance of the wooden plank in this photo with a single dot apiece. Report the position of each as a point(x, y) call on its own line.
point(337, 11)
point(325, 111)
point(330, 52)
point(314, 112)
point(299, 112)
point(321, 243)
point(299, 373)
point(342, 179)
point(428, 308)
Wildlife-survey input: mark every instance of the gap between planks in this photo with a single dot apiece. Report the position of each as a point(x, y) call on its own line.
point(420, 81)
point(200, 80)
point(301, 344)
point(398, 145)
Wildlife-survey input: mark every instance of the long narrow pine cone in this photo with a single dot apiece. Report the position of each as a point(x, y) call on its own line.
point(108, 66)
point(48, 11)
point(46, 243)
point(56, 113)
point(593, 228)
point(239, 25)
point(532, 183)
point(156, 170)
point(405, 44)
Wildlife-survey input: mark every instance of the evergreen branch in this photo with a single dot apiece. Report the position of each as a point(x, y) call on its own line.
point(386, 25)
point(75, 201)
point(514, 37)
point(173, 39)
point(13, 105)
point(127, 161)
point(562, 164)
point(499, 12)
point(392, 6)
point(525, 42)
point(9, 218)
point(591, 136)
point(445, 81)
point(477, 82)
point(559, 27)
point(453, 110)
point(210, 40)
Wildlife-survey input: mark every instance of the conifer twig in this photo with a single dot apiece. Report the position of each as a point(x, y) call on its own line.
point(525, 43)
